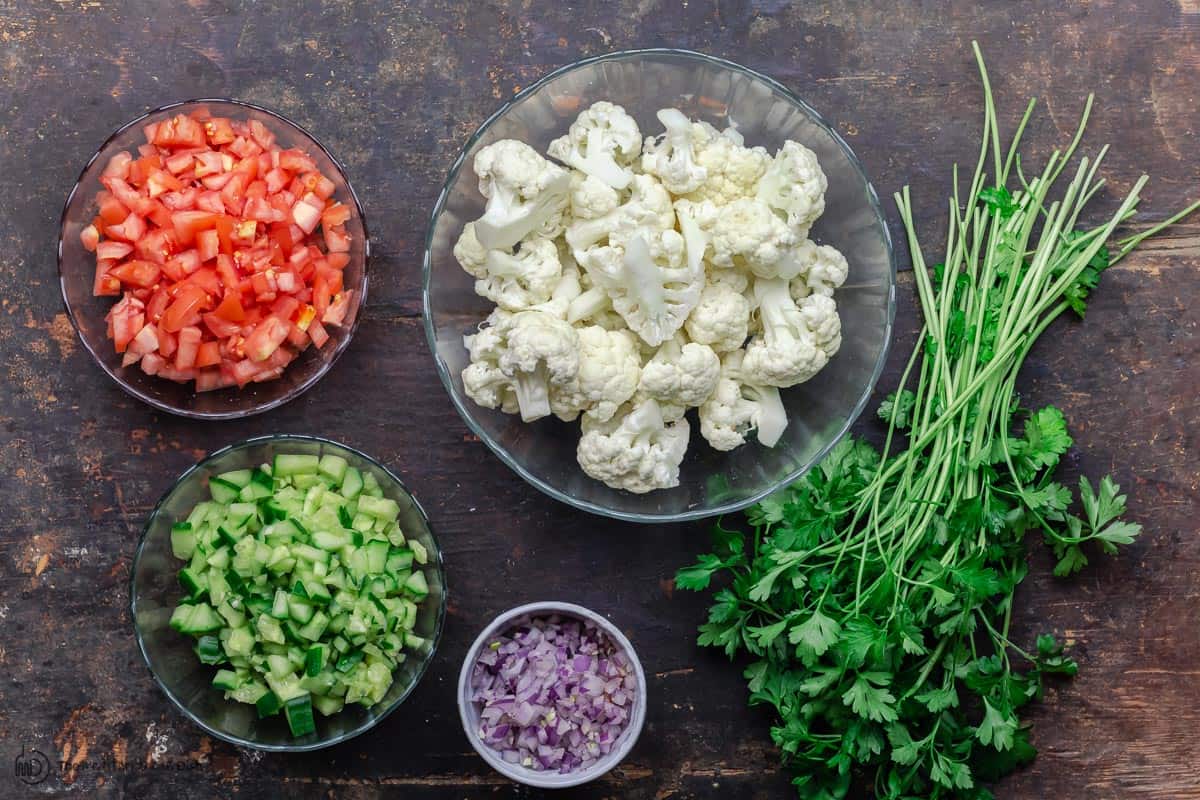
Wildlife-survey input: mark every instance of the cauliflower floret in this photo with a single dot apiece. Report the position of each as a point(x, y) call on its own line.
point(565, 291)
point(648, 206)
point(681, 373)
point(592, 197)
point(671, 157)
point(471, 255)
point(733, 171)
point(525, 194)
point(636, 450)
point(738, 405)
point(820, 312)
point(820, 268)
point(748, 235)
point(794, 184)
point(609, 368)
point(521, 356)
point(604, 142)
point(651, 284)
point(721, 319)
point(521, 281)
point(787, 351)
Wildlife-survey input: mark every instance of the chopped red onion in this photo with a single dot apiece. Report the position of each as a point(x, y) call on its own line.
point(554, 694)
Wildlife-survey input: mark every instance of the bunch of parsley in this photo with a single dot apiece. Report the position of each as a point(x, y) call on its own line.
point(874, 595)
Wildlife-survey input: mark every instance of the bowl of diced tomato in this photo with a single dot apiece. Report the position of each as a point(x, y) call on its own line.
point(213, 258)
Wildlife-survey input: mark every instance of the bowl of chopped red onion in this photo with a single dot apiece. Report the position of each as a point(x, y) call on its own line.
point(552, 695)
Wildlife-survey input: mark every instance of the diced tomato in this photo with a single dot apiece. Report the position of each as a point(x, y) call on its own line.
point(219, 131)
point(130, 230)
point(318, 334)
point(210, 231)
point(89, 237)
point(296, 161)
point(336, 314)
point(230, 307)
point(206, 278)
point(188, 223)
point(219, 327)
point(145, 342)
point(208, 354)
point(211, 202)
point(188, 302)
point(118, 166)
point(208, 244)
point(337, 240)
point(113, 250)
point(189, 344)
point(111, 210)
point(136, 273)
point(105, 285)
point(127, 318)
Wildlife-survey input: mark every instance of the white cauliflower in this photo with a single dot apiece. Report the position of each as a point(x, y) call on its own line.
point(651, 284)
point(525, 193)
point(681, 373)
point(636, 450)
point(565, 291)
point(648, 206)
point(604, 142)
point(521, 356)
point(592, 197)
point(820, 268)
point(748, 235)
point(794, 185)
point(609, 369)
point(739, 405)
point(470, 254)
point(721, 319)
point(671, 157)
point(787, 351)
point(820, 313)
point(521, 281)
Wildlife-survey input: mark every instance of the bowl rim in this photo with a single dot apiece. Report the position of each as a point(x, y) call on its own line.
point(436, 561)
point(301, 388)
point(553, 780)
point(597, 508)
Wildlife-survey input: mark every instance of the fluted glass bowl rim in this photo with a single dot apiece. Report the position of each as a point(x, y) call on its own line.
point(468, 416)
point(259, 408)
point(435, 561)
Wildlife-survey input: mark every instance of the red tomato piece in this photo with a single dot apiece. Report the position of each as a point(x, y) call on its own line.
point(188, 223)
point(118, 166)
point(208, 354)
point(208, 244)
point(266, 338)
point(105, 285)
point(337, 240)
point(336, 314)
point(127, 318)
point(188, 302)
point(318, 334)
point(113, 250)
point(189, 344)
point(89, 237)
point(130, 230)
point(137, 273)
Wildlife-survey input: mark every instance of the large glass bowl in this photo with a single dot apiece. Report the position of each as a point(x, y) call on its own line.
point(766, 113)
point(76, 269)
point(155, 591)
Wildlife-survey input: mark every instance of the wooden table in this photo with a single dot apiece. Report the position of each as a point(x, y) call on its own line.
point(395, 89)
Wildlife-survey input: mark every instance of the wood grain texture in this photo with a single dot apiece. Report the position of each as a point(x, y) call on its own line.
point(394, 89)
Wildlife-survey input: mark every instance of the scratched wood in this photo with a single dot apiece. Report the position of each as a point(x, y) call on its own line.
point(394, 89)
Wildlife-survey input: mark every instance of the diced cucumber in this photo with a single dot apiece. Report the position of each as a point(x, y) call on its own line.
point(183, 540)
point(420, 554)
point(352, 483)
point(376, 554)
point(268, 704)
point(333, 467)
point(314, 659)
point(328, 705)
point(416, 585)
point(299, 715)
point(327, 540)
point(194, 583)
point(195, 619)
point(399, 560)
point(381, 508)
point(226, 679)
point(249, 692)
point(299, 610)
point(223, 491)
point(290, 465)
point(269, 629)
point(240, 642)
point(237, 477)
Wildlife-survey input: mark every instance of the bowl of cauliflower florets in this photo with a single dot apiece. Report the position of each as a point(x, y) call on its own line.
point(658, 285)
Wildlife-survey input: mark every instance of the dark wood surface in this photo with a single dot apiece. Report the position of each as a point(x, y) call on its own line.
point(394, 89)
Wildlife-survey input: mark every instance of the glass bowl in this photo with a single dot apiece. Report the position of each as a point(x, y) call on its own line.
point(155, 591)
point(469, 711)
point(766, 113)
point(76, 269)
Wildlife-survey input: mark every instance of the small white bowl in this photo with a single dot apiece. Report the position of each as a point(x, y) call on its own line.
point(469, 711)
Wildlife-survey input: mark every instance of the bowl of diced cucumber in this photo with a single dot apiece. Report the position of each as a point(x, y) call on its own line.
point(287, 593)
